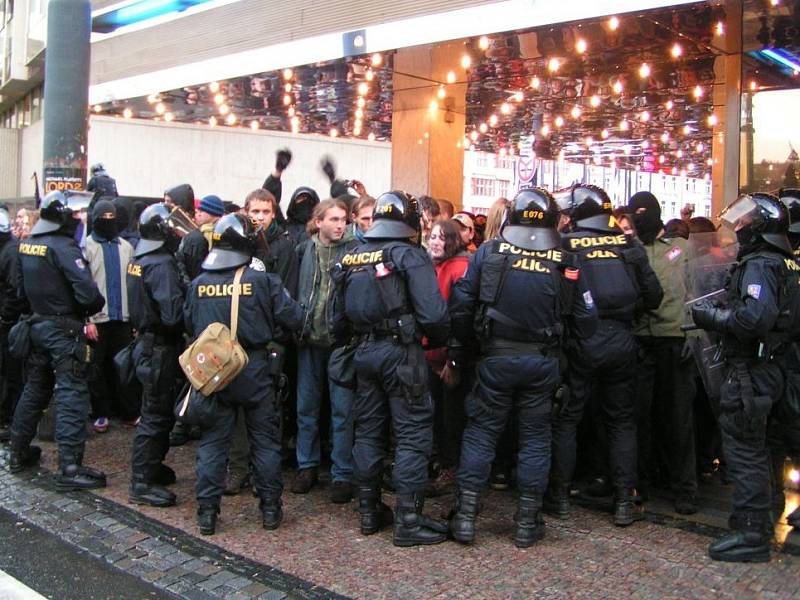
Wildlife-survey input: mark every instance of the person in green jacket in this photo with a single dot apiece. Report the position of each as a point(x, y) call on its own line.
point(666, 372)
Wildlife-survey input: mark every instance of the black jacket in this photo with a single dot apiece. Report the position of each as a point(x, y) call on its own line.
point(11, 305)
point(155, 293)
point(276, 251)
point(55, 278)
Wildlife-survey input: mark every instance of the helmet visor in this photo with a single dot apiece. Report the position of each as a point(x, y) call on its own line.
point(740, 213)
point(180, 222)
point(78, 201)
point(563, 199)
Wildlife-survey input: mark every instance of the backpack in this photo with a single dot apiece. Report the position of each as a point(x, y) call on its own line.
point(215, 358)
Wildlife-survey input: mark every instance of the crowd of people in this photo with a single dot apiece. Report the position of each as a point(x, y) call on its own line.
point(423, 350)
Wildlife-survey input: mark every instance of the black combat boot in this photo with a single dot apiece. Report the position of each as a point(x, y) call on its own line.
point(72, 475)
point(207, 518)
point(626, 510)
point(462, 521)
point(375, 515)
point(556, 501)
point(163, 475)
point(747, 542)
point(530, 525)
point(20, 459)
point(151, 494)
point(271, 514)
point(411, 527)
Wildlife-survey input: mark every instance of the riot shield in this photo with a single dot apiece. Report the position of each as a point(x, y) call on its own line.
point(711, 257)
point(78, 200)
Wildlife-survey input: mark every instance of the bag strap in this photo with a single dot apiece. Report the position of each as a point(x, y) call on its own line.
point(235, 301)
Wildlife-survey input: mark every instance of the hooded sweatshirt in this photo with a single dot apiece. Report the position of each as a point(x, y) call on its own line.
point(299, 213)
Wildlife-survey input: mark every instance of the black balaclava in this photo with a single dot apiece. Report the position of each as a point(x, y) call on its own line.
point(302, 205)
point(648, 222)
point(794, 240)
point(104, 219)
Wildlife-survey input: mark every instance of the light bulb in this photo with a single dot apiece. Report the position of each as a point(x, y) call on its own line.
point(483, 42)
point(451, 77)
point(466, 61)
point(473, 136)
point(505, 108)
point(545, 131)
point(670, 104)
point(677, 50)
point(644, 117)
point(254, 125)
point(224, 109)
point(483, 128)
point(535, 83)
point(559, 121)
point(697, 92)
point(644, 71)
point(581, 46)
point(363, 88)
point(369, 75)
point(169, 117)
point(219, 99)
point(518, 96)
point(493, 120)
point(623, 125)
point(360, 103)
point(287, 74)
point(333, 132)
point(712, 120)
point(441, 92)
point(160, 108)
point(604, 134)
point(371, 137)
point(613, 23)
point(231, 120)
point(127, 113)
point(212, 121)
point(376, 60)
point(595, 101)
point(575, 112)
point(433, 106)
point(553, 65)
point(213, 87)
point(617, 87)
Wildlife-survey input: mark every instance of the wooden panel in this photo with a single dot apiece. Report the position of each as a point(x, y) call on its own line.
point(245, 25)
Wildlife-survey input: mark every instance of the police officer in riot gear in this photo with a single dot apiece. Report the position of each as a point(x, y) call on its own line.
point(618, 273)
point(155, 296)
point(760, 317)
point(59, 288)
point(387, 299)
point(101, 183)
point(784, 437)
point(525, 294)
point(264, 305)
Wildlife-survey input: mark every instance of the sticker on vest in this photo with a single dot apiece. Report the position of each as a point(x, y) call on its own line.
point(674, 253)
point(381, 270)
point(754, 291)
point(257, 265)
point(587, 298)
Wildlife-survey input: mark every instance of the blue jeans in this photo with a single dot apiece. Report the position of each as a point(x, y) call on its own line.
point(312, 369)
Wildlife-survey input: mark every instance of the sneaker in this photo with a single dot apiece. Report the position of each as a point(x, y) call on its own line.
point(132, 422)
point(341, 492)
point(304, 481)
point(500, 479)
point(686, 505)
point(237, 481)
point(101, 425)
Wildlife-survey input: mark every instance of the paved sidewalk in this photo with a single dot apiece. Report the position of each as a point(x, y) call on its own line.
point(319, 545)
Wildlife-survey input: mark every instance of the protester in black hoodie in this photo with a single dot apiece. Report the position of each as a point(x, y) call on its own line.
point(302, 204)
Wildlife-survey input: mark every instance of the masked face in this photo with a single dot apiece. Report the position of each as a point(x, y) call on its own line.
point(106, 228)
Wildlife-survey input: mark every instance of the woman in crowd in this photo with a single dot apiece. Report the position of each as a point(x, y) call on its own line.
point(495, 217)
point(449, 385)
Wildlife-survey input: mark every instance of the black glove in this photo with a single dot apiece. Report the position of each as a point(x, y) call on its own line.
point(283, 158)
point(709, 317)
point(328, 168)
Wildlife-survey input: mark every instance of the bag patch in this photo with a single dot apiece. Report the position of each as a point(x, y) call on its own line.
point(754, 291)
point(674, 253)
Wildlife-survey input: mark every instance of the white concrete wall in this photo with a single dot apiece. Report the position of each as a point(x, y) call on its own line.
point(146, 157)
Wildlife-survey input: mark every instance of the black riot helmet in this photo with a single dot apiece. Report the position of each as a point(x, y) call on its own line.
point(233, 244)
point(155, 230)
point(757, 217)
point(54, 213)
point(589, 207)
point(791, 198)
point(396, 216)
point(532, 220)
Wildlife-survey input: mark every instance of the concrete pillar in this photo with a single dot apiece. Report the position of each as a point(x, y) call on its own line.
point(66, 94)
point(427, 153)
point(727, 108)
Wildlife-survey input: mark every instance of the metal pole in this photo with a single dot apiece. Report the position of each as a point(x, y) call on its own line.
point(66, 94)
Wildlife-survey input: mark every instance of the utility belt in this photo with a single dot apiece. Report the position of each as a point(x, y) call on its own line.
point(68, 322)
point(508, 347)
point(401, 329)
point(517, 332)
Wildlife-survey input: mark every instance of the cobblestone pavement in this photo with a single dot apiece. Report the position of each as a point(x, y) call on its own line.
point(319, 552)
